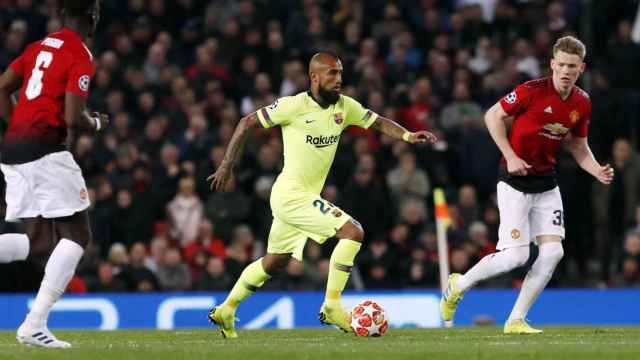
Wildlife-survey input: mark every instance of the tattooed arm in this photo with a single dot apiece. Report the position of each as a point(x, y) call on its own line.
point(396, 131)
point(223, 173)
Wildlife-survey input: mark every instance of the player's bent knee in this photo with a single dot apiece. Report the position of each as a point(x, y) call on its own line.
point(358, 234)
point(519, 255)
point(352, 230)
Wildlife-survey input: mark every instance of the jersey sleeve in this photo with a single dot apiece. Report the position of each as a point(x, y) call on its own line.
point(516, 101)
point(79, 79)
point(582, 128)
point(356, 114)
point(281, 112)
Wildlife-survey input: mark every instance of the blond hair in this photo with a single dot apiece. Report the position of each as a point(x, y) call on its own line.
point(570, 45)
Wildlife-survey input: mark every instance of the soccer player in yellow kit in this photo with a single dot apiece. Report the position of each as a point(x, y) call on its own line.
point(311, 124)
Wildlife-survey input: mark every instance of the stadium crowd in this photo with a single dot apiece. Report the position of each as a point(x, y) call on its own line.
point(176, 76)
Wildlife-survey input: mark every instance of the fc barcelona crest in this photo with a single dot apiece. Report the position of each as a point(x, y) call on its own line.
point(574, 116)
point(338, 118)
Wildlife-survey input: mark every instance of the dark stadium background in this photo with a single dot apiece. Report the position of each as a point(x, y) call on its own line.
point(176, 76)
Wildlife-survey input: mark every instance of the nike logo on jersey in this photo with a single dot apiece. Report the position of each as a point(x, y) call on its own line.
point(548, 110)
point(309, 121)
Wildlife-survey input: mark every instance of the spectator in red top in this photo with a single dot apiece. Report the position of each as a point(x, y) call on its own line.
point(207, 241)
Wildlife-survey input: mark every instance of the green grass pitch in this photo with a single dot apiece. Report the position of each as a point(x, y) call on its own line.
point(566, 343)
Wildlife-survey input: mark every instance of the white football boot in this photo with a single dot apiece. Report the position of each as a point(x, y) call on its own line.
point(39, 337)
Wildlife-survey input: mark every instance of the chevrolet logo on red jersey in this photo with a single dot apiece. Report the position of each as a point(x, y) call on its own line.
point(556, 129)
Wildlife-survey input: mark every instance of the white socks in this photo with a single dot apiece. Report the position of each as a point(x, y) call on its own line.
point(57, 274)
point(13, 247)
point(493, 265)
point(537, 278)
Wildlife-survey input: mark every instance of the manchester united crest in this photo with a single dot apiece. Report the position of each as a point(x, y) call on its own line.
point(574, 116)
point(338, 118)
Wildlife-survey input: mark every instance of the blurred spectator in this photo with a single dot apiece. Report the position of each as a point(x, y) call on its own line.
point(124, 223)
point(137, 276)
point(406, 181)
point(215, 277)
point(185, 212)
point(227, 209)
point(118, 257)
point(173, 275)
point(260, 97)
point(240, 250)
point(615, 205)
point(205, 241)
point(468, 205)
point(375, 261)
point(374, 214)
point(107, 281)
point(462, 111)
point(413, 213)
point(479, 236)
point(159, 246)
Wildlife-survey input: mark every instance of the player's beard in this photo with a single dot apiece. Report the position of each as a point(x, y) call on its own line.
point(329, 96)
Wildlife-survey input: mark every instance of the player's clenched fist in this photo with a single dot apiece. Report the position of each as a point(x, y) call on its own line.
point(605, 174)
point(422, 137)
point(220, 178)
point(517, 166)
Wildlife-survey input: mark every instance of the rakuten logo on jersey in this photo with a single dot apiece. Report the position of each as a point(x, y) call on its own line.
point(322, 141)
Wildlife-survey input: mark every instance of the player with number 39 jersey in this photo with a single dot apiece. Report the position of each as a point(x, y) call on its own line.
point(37, 125)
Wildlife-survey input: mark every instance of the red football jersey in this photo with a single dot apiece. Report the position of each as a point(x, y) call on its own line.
point(49, 68)
point(542, 120)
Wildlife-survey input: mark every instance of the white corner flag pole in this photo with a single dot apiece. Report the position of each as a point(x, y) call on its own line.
point(442, 223)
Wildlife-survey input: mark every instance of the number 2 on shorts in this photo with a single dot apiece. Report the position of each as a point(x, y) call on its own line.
point(321, 205)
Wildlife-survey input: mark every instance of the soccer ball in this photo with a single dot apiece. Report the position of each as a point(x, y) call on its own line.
point(369, 319)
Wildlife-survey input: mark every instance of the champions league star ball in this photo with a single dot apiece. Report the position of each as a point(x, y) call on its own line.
point(369, 319)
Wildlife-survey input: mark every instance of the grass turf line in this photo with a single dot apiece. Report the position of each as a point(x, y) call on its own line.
point(489, 343)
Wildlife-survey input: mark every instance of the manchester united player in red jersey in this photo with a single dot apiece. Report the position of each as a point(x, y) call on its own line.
point(45, 187)
point(544, 112)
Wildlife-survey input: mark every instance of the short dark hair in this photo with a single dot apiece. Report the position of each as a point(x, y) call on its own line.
point(78, 8)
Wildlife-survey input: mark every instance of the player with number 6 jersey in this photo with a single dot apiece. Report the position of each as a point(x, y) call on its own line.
point(37, 125)
point(545, 112)
point(45, 188)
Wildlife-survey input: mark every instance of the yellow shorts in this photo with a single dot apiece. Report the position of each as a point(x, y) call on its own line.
point(300, 215)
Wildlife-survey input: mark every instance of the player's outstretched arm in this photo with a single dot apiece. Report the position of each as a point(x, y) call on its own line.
point(222, 174)
point(396, 131)
point(579, 148)
point(10, 81)
point(77, 116)
point(495, 119)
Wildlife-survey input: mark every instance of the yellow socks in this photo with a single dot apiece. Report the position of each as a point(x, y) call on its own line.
point(340, 266)
point(252, 278)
